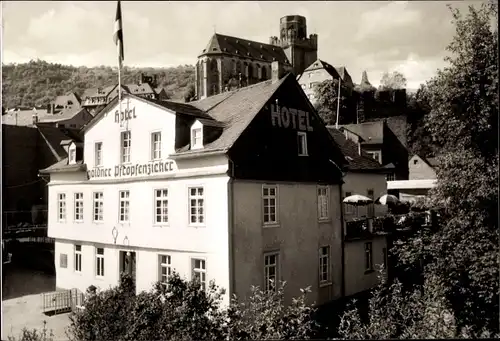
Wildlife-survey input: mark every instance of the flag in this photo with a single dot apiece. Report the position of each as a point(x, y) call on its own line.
point(118, 34)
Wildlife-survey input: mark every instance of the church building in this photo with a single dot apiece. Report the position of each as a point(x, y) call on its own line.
point(228, 63)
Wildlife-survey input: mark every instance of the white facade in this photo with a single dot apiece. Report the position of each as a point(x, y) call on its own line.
point(132, 219)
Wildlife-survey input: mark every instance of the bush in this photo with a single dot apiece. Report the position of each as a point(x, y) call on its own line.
point(34, 334)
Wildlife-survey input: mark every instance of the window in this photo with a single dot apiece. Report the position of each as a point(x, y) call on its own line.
point(61, 207)
point(269, 201)
point(63, 260)
point(78, 206)
point(161, 206)
point(196, 203)
point(349, 209)
point(415, 161)
point(312, 85)
point(199, 271)
point(196, 138)
point(390, 177)
point(302, 143)
point(368, 257)
point(98, 154)
point(125, 146)
point(384, 255)
point(78, 258)
point(165, 269)
point(124, 197)
point(303, 86)
point(99, 257)
point(98, 206)
point(375, 155)
point(370, 207)
point(156, 146)
point(271, 263)
point(72, 155)
point(323, 202)
point(324, 264)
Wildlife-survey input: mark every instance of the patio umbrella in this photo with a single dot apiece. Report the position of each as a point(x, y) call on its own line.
point(357, 200)
point(387, 199)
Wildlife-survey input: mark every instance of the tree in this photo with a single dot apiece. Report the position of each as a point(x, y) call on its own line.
point(392, 81)
point(418, 135)
point(190, 94)
point(463, 122)
point(184, 311)
point(326, 102)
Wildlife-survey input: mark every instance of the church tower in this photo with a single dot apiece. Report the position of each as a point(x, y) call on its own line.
point(300, 50)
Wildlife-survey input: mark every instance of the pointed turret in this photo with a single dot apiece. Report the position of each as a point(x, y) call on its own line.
point(365, 84)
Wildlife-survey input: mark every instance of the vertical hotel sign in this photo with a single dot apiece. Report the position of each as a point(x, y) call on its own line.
point(156, 167)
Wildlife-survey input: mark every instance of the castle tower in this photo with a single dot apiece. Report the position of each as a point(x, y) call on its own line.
point(300, 50)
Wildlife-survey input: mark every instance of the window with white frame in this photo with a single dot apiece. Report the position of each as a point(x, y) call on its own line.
point(165, 269)
point(196, 206)
point(125, 146)
point(61, 207)
point(98, 206)
point(302, 143)
point(72, 155)
point(349, 209)
point(78, 207)
point(324, 264)
point(199, 271)
point(196, 138)
point(78, 258)
point(375, 155)
point(323, 202)
point(368, 257)
point(99, 258)
point(124, 201)
point(271, 268)
point(303, 86)
point(98, 154)
point(161, 206)
point(156, 145)
point(269, 203)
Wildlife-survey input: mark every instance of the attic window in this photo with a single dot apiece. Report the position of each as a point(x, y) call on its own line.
point(237, 52)
point(214, 49)
point(72, 156)
point(248, 43)
point(237, 41)
point(196, 137)
point(225, 49)
point(260, 46)
point(203, 50)
point(415, 162)
point(248, 53)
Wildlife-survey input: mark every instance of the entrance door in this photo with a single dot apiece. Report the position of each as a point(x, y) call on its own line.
point(128, 263)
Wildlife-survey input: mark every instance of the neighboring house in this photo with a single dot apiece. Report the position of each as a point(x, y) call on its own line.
point(318, 72)
point(73, 117)
point(422, 177)
point(362, 250)
point(69, 101)
point(27, 149)
point(244, 188)
point(228, 62)
point(96, 99)
point(24, 118)
point(162, 94)
point(384, 146)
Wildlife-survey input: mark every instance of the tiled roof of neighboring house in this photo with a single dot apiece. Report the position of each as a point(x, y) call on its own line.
point(139, 89)
point(432, 161)
point(244, 49)
point(63, 165)
point(68, 99)
point(23, 117)
point(63, 115)
point(94, 92)
point(319, 65)
point(397, 124)
point(371, 132)
point(350, 150)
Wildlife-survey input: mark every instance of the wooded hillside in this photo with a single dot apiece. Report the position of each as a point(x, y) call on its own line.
point(38, 82)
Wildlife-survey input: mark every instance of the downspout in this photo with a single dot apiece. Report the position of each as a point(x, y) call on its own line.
point(232, 277)
point(342, 242)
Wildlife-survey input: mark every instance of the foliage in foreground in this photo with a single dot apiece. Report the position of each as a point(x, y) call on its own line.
point(184, 311)
point(34, 334)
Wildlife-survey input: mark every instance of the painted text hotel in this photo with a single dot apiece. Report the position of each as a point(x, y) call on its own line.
point(242, 188)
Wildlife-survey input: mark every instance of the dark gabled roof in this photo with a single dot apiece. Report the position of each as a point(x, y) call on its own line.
point(222, 44)
point(320, 65)
point(54, 136)
point(350, 149)
point(64, 100)
point(140, 89)
point(94, 92)
point(371, 132)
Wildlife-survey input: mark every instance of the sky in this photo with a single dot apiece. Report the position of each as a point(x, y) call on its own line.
point(376, 36)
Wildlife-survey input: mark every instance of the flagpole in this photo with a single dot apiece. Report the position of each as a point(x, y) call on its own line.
point(338, 107)
point(120, 84)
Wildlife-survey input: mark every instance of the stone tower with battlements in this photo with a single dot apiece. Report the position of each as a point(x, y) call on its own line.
point(300, 49)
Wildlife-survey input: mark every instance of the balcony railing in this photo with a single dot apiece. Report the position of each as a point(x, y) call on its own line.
point(24, 219)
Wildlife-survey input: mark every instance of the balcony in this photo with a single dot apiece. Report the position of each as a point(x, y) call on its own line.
point(367, 228)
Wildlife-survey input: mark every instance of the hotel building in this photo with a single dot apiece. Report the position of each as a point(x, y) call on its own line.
point(242, 188)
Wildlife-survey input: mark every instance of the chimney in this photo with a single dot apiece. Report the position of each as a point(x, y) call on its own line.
point(35, 118)
point(277, 71)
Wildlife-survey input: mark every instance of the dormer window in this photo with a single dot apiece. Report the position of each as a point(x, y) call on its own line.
point(72, 154)
point(196, 138)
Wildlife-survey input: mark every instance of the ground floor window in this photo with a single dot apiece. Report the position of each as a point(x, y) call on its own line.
point(199, 271)
point(271, 267)
point(100, 262)
point(165, 269)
